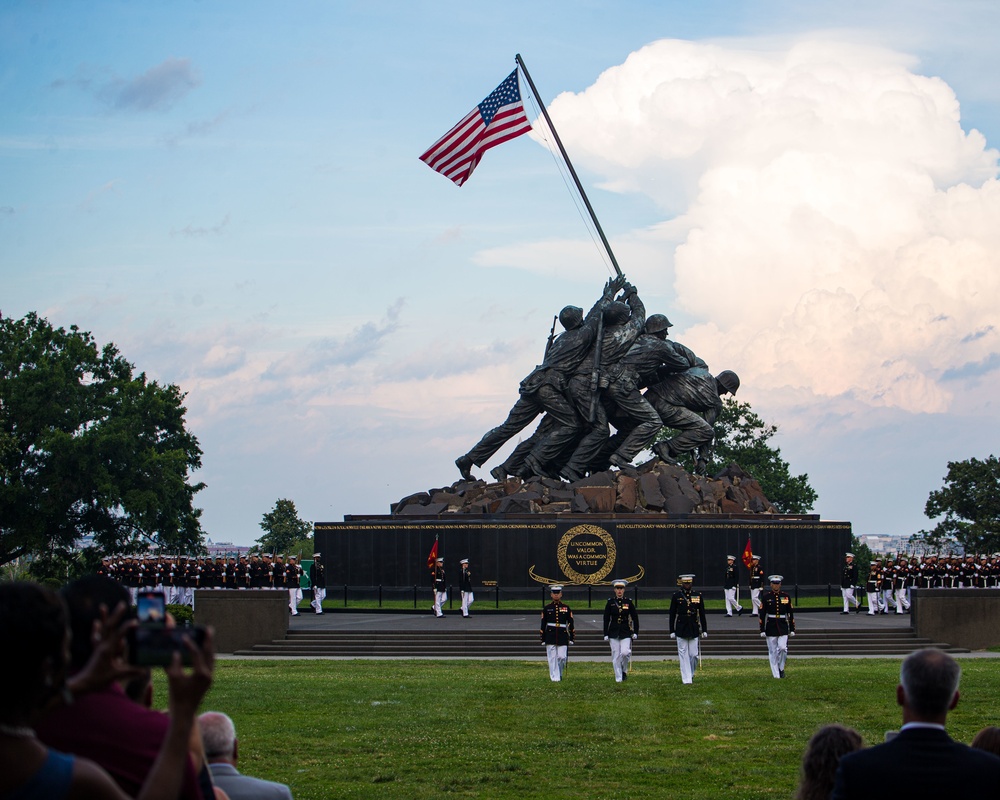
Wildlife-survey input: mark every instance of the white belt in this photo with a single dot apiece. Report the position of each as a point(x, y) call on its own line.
point(556, 625)
point(777, 616)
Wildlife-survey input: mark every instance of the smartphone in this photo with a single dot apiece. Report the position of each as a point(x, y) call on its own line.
point(151, 608)
point(155, 646)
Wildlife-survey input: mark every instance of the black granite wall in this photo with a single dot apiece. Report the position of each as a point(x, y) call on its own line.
point(579, 549)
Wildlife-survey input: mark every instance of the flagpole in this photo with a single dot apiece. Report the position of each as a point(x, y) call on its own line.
point(562, 150)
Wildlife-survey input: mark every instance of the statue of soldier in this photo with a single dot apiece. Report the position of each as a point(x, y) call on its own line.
point(650, 356)
point(543, 390)
point(689, 402)
point(622, 324)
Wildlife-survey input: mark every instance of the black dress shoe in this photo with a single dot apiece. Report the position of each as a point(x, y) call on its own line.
point(781, 673)
point(624, 676)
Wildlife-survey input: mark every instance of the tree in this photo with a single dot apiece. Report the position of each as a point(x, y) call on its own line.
point(89, 449)
point(283, 529)
point(742, 437)
point(970, 503)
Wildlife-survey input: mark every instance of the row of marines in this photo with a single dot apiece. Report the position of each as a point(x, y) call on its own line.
point(179, 576)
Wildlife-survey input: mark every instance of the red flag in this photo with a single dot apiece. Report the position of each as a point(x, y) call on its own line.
point(498, 119)
point(433, 555)
point(747, 554)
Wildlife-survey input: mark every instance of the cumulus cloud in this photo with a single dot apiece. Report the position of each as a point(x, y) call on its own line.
point(828, 224)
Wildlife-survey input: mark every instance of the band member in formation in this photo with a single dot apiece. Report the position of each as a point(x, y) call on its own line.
point(317, 579)
point(873, 587)
point(848, 580)
point(440, 587)
point(777, 623)
point(756, 582)
point(557, 633)
point(465, 586)
point(731, 585)
point(687, 625)
point(621, 626)
point(293, 575)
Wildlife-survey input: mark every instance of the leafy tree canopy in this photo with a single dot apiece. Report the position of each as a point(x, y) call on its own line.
point(283, 530)
point(743, 438)
point(88, 448)
point(969, 507)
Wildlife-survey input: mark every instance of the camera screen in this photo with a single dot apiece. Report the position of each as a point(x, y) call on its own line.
point(151, 608)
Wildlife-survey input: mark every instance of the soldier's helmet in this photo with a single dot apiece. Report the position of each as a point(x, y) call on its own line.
point(728, 380)
point(571, 317)
point(657, 323)
point(617, 313)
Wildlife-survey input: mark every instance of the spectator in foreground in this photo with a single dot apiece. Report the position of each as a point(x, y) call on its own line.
point(922, 759)
point(819, 763)
point(105, 725)
point(988, 739)
point(222, 750)
point(32, 678)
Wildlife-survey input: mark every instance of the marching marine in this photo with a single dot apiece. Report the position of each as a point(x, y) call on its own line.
point(465, 586)
point(777, 623)
point(731, 585)
point(621, 626)
point(848, 580)
point(440, 587)
point(687, 625)
point(293, 574)
point(317, 579)
point(756, 582)
point(557, 633)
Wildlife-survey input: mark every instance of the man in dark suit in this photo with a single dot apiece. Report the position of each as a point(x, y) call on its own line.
point(922, 759)
point(222, 751)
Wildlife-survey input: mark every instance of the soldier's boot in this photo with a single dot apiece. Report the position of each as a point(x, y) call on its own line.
point(623, 464)
point(571, 474)
point(464, 464)
point(665, 453)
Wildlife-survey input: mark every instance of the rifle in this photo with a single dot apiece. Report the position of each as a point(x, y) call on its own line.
point(552, 336)
point(595, 372)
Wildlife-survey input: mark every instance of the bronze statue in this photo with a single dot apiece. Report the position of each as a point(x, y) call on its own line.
point(542, 390)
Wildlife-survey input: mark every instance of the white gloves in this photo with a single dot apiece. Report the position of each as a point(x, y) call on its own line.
point(791, 633)
point(605, 638)
point(704, 635)
point(635, 635)
point(571, 641)
point(762, 634)
point(673, 636)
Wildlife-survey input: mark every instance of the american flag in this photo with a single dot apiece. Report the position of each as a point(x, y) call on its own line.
point(498, 119)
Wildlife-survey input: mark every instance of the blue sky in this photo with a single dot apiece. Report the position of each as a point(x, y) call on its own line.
point(231, 193)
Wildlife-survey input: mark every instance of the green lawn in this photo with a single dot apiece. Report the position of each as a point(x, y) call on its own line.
point(501, 729)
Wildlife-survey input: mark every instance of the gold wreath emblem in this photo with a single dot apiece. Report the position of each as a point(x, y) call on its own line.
point(577, 578)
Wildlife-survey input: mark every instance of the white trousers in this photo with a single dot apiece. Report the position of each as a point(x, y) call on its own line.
point(294, 596)
point(687, 654)
point(873, 604)
point(848, 597)
point(887, 599)
point(755, 599)
point(557, 655)
point(732, 604)
point(621, 656)
point(902, 602)
point(440, 598)
point(319, 595)
point(777, 653)
point(467, 599)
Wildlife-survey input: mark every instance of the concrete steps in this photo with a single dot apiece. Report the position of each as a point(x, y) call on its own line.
point(524, 644)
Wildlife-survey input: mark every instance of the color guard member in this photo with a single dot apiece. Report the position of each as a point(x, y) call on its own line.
point(621, 626)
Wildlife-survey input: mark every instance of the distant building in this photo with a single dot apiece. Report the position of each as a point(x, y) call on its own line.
point(225, 549)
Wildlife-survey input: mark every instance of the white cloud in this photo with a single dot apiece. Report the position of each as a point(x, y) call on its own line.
point(826, 181)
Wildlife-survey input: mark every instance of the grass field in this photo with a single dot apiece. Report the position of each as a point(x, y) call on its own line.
point(501, 729)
